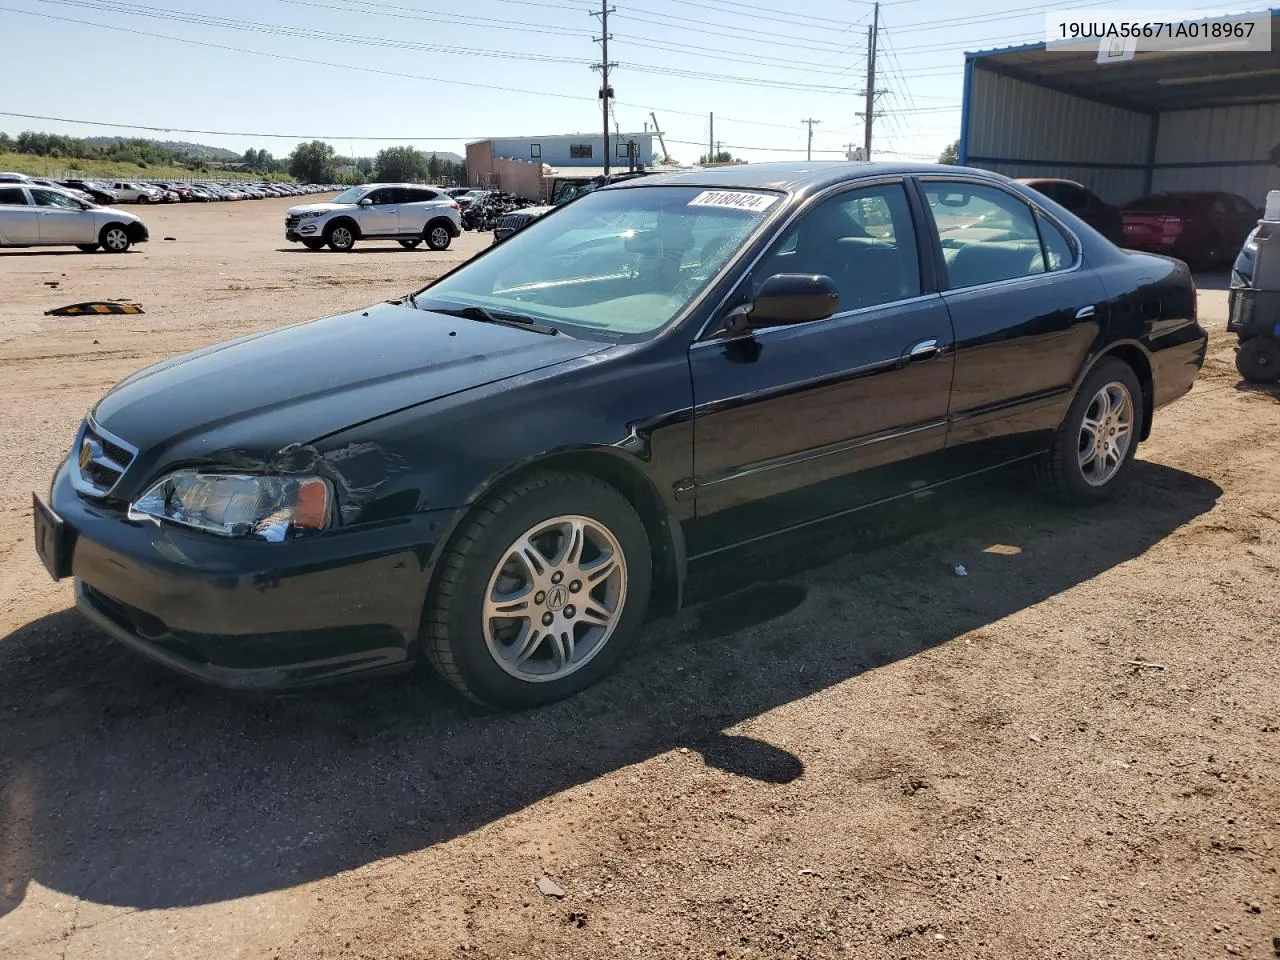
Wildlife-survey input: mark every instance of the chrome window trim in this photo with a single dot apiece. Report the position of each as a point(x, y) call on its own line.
point(828, 192)
point(842, 315)
point(1035, 208)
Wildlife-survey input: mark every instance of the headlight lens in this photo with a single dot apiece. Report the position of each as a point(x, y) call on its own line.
point(237, 505)
point(311, 213)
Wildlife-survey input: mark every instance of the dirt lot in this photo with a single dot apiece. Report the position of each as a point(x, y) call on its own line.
point(841, 750)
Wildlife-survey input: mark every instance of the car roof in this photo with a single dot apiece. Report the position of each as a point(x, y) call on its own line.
point(792, 175)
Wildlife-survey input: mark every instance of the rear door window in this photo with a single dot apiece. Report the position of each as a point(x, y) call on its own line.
point(987, 235)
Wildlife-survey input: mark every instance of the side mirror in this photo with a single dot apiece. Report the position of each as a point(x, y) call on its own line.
point(366, 201)
point(787, 298)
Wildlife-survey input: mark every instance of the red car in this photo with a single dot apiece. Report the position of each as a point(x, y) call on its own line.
point(1096, 212)
point(1203, 228)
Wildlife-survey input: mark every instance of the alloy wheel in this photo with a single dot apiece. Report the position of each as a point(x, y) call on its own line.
point(555, 598)
point(1106, 432)
point(341, 237)
point(439, 237)
point(116, 239)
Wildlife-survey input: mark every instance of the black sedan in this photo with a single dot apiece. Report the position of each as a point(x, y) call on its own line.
point(502, 474)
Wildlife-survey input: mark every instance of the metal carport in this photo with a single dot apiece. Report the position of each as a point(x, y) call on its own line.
point(1161, 121)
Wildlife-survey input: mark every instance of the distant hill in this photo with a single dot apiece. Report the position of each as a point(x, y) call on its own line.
point(177, 146)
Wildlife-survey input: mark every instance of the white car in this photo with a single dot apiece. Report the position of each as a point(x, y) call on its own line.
point(136, 192)
point(32, 216)
point(408, 212)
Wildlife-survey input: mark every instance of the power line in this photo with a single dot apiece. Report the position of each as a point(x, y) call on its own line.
point(282, 30)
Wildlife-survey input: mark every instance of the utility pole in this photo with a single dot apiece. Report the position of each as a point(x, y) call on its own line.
point(711, 140)
point(871, 82)
point(666, 157)
point(809, 152)
point(606, 91)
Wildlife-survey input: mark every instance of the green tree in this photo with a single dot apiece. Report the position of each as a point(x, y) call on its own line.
point(313, 162)
point(6, 142)
point(400, 165)
point(724, 156)
point(435, 169)
point(950, 153)
point(364, 166)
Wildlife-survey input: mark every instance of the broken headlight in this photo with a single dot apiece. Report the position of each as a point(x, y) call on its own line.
point(237, 505)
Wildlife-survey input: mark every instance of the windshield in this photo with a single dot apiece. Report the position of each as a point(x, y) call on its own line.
point(622, 263)
point(350, 195)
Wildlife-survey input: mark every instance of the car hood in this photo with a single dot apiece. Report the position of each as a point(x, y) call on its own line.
point(322, 207)
point(116, 214)
point(299, 383)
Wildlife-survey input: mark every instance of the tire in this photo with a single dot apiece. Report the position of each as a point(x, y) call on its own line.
point(114, 238)
point(87, 247)
point(438, 236)
point(315, 244)
point(340, 237)
point(410, 244)
point(1258, 359)
point(1067, 473)
point(479, 655)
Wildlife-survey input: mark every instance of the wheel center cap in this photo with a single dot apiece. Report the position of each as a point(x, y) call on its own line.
point(557, 597)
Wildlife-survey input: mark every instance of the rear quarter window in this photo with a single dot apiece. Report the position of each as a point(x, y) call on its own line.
point(12, 197)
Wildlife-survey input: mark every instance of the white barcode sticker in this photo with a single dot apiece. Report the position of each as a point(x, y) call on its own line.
point(735, 200)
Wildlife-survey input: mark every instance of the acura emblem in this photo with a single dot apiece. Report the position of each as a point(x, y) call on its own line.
point(88, 450)
point(557, 598)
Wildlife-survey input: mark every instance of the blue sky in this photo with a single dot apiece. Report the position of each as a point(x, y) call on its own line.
point(437, 73)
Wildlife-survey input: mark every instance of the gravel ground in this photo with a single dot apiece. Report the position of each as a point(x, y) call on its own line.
point(841, 749)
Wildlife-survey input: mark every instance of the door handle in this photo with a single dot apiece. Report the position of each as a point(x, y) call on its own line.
point(1084, 313)
point(924, 350)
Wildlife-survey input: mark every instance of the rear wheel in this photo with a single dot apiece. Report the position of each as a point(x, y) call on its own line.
point(87, 247)
point(540, 592)
point(1094, 447)
point(313, 244)
point(438, 236)
point(114, 238)
point(410, 244)
point(340, 237)
point(1258, 360)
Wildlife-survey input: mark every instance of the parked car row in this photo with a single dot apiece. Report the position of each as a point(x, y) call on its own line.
point(1203, 227)
point(169, 191)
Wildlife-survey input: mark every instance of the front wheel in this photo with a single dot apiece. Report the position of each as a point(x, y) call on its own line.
point(410, 244)
point(438, 237)
point(1258, 360)
point(341, 238)
point(87, 247)
point(1094, 447)
point(114, 238)
point(313, 244)
point(540, 592)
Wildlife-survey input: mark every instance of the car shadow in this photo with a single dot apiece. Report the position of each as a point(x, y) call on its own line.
point(7, 253)
point(124, 784)
point(422, 248)
point(1271, 390)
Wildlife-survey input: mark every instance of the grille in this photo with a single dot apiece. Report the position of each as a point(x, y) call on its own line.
point(99, 460)
point(510, 223)
point(1240, 309)
point(292, 220)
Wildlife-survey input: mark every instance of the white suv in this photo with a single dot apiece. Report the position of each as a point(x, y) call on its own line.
point(408, 212)
point(129, 192)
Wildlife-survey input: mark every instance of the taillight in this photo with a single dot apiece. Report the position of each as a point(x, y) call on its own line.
point(454, 204)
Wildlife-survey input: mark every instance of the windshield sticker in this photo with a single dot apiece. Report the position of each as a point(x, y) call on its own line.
point(734, 200)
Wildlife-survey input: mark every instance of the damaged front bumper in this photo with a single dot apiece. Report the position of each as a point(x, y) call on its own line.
point(248, 614)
